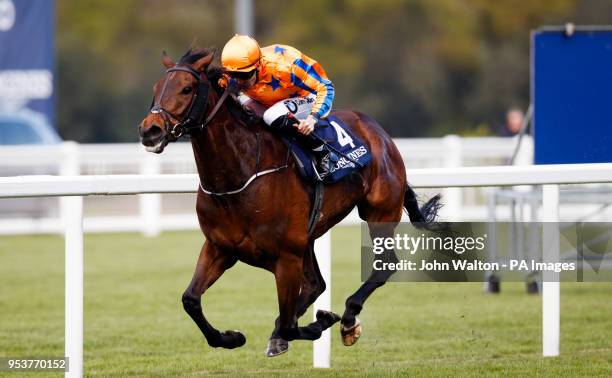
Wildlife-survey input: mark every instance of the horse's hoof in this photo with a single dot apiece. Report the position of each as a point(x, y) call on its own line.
point(327, 318)
point(351, 335)
point(276, 347)
point(232, 339)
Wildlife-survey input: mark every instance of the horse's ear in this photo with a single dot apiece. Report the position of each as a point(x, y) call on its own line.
point(166, 60)
point(203, 62)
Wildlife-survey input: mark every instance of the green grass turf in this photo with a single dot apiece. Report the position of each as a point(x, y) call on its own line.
point(135, 324)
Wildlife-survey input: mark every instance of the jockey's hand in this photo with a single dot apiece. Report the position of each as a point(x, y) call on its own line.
point(307, 125)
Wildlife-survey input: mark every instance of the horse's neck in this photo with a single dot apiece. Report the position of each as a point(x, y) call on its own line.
point(225, 152)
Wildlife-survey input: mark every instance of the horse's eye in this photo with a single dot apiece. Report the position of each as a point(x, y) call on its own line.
point(186, 90)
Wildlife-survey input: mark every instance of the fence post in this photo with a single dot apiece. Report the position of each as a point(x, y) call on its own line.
point(453, 158)
point(321, 348)
point(150, 204)
point(71, 213)
point(69, 166)
point(550, 279)
point(491, 277)
point(73, 226)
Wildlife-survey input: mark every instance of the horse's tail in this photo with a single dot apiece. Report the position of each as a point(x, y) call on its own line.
point(426, 216)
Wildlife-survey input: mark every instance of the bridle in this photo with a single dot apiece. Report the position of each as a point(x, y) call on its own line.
point(197, 108)
point(193, 120)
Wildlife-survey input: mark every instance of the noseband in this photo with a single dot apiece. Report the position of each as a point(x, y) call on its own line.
point(197, 108)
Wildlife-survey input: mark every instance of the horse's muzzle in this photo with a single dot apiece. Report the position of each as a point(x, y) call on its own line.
point(153, 138)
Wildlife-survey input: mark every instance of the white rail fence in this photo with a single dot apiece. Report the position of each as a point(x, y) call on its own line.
point(177, 210)
point(78, 186)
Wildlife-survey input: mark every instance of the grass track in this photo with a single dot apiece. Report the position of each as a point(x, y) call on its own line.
point(135, 324)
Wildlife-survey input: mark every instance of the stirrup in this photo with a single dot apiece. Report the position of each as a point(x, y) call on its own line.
point(323, 166)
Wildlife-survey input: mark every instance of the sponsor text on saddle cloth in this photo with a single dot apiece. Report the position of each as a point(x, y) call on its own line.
point(345, 150)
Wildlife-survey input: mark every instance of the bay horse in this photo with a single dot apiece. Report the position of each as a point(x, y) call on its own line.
point(253, 206)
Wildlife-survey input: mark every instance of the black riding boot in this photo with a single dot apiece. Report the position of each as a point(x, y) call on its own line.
point(286, 125)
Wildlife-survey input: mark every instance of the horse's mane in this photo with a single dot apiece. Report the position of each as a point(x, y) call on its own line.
point(213, 72)
point(195, 53)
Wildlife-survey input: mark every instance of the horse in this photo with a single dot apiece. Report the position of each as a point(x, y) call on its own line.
point(253, 206)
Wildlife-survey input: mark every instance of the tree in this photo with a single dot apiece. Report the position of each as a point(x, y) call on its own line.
point(420, 67)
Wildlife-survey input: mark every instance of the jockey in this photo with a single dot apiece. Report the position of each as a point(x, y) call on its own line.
point(293, 87)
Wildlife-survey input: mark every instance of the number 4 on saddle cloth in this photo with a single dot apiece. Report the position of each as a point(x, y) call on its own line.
point(347, 153)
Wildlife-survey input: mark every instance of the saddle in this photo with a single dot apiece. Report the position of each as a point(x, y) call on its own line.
point(341, 151)
point(344, 152)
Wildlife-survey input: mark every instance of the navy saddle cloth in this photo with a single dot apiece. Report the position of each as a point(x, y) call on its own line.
point(347, 152)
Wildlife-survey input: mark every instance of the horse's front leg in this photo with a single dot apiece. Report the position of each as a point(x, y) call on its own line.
point(211, 265)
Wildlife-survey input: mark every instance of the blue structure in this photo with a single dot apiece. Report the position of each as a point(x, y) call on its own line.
point(572, 95)
point(27, 56)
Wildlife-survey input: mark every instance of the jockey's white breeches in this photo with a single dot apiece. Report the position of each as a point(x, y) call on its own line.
point(299, 106)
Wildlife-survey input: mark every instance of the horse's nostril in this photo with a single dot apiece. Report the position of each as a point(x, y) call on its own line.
point(153, 131)
point(152, 135)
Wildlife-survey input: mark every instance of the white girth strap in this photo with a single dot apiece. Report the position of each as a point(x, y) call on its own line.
point(247, 183)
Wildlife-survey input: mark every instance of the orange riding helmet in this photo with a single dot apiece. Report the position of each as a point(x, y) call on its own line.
point(240, 54)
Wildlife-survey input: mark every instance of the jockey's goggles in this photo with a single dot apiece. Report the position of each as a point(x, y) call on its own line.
point(241, 75)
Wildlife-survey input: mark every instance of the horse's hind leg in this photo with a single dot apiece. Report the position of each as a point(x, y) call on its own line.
point(288, 273)
point(380, 224)
point(312, 286)
point(211, 265)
